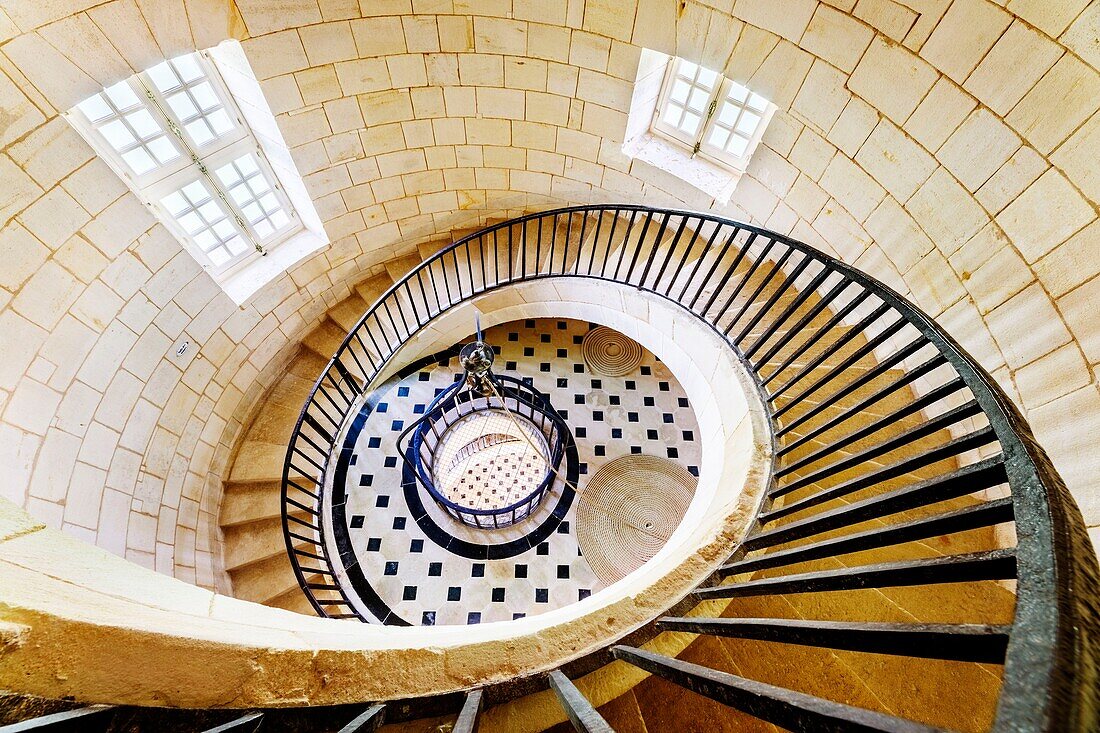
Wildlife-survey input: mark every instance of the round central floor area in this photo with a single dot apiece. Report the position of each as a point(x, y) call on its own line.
point(411, 564)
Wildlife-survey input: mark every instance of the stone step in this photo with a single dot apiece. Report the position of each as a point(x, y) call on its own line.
point(325, 339)
point(250, 501)
point(250, 543)
point(347, 312)
point(372, 288)
point(398, 267)
point(259, 461)
point(293, 600)
point(427, 249)
point(265, 580)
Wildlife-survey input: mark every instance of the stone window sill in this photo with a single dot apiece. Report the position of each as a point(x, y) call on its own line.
point(244, 282)
point(700, 173)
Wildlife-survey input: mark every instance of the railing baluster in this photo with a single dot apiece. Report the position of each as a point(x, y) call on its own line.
point(792, 710)
point(981, 643)
point(683, 257)
point(244, 724)
point(776, 267)
point(367, 721)
point(788, 281)
point(581, 714)
point(923, 430)
point(67, 720)
point(986, 514)
point(748, 276)
point(699, 263)
point(467, 717)
point(989, 565)
point(641, 243)
point(790, 310)
point(968, 480)
point(926, 400)
point(804, 321)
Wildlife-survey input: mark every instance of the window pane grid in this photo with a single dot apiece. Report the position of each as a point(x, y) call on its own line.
point(721, 119)
point(193, 98)
point(253, 191)
point(121, 116)
point(219, 195)
point(206, 221)
point(689, 96)
point(736, 120)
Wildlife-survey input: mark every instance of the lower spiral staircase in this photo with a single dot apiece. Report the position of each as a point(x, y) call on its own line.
point(916, 563)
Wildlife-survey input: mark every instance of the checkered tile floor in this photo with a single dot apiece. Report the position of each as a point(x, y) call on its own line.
point(416, 578)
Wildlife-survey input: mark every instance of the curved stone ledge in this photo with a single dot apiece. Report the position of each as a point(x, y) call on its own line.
point(80, 622)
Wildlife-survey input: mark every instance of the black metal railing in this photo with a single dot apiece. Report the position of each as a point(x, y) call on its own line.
point(886, 433)
point(420, 442)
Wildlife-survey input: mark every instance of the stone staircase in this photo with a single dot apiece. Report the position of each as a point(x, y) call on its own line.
point(250, 518)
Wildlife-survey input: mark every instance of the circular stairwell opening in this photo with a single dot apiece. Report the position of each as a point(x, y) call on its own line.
point(490, 460)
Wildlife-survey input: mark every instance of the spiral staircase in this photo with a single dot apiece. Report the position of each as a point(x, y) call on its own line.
point(913, 537)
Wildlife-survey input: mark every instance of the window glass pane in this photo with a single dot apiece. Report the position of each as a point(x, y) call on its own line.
point(117, 134)
point(737, 145)
point(163, 149)
point(237, 245)
point(707, 78)
point(139, 124)
point(737, 92)
point(205, 97)
point(122, 96)
point(182, 105)
point(196, 192)
point(757, 102)
point(718, 137)
point(747, 123)
point(680, 89)
point(200, 132)
point(188, 67)
point(139, 160)
point(698, 100)
point(164, 78)
point(728, 115)
point(175, 203)
point(95, 108)
point(264, 229)
point(252, 190)
point(143, 123)
point(259, 184)
point(219, 256)
point(220, 121)
point(247, 165)
point(205, 219)
point(688, 69)
point(690, 125)
point(194, 99)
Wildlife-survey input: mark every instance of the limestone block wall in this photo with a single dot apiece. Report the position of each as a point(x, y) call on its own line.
point(946, 147)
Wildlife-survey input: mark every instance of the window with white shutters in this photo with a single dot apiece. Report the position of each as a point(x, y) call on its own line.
point(174, 134)
point(715, 117)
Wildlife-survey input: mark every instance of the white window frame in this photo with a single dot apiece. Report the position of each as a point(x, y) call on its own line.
point(697, 144)
point(195, 162)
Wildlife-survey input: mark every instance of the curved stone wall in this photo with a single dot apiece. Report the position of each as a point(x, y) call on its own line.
point(948, 148)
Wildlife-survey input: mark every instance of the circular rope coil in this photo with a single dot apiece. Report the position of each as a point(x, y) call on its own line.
point(628, 510)
point(608, 352)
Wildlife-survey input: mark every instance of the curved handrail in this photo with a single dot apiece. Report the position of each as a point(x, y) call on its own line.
point(411, 441)
point(1053, 647)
